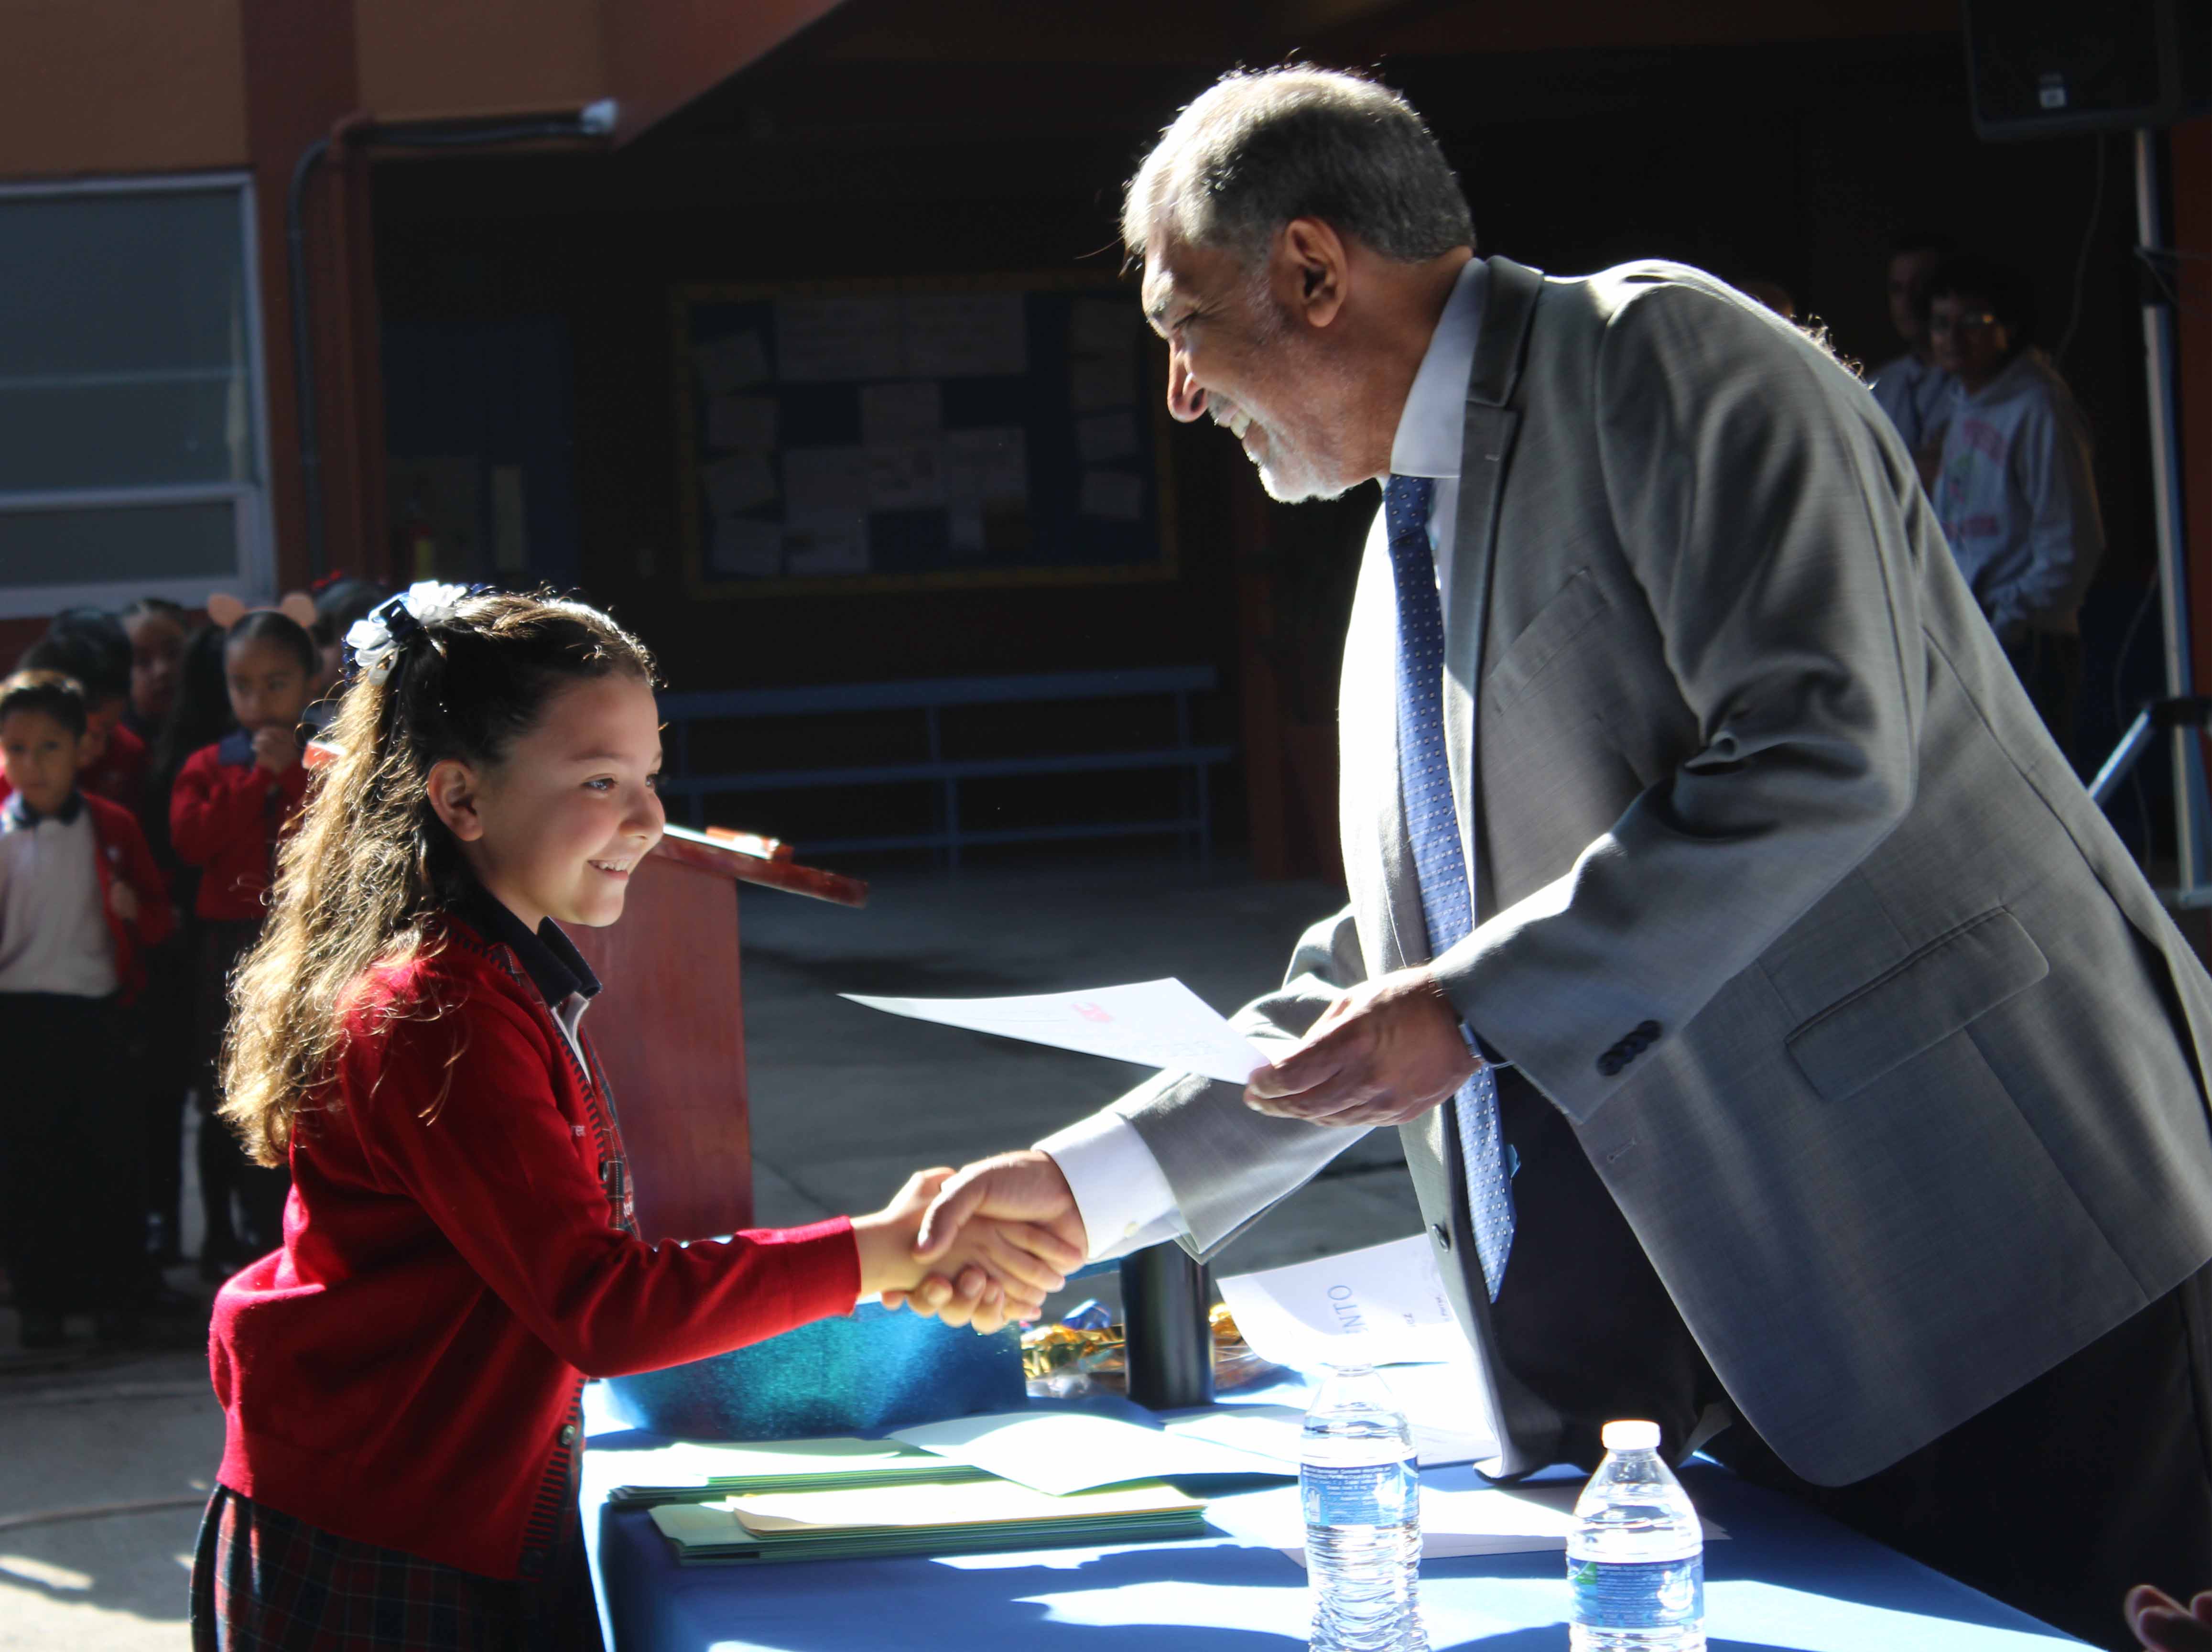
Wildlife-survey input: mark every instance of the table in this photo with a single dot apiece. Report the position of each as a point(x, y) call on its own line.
point(1788, 1577)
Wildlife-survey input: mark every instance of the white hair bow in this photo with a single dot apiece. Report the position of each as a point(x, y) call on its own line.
point(378, 642)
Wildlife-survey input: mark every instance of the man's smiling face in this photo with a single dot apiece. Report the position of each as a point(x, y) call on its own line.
point(1238, 350)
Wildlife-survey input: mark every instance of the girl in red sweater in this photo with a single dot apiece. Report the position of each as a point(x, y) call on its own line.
point(232, 804)
point(402, 1379)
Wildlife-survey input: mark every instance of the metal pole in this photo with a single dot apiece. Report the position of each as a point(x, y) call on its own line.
point(2191, 814)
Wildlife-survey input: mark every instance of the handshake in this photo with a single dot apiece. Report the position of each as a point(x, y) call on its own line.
point(983, 1246)
point(986, 1245)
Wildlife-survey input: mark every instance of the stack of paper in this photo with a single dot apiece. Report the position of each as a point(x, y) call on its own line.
point(966, 1517)
point(693, 1472)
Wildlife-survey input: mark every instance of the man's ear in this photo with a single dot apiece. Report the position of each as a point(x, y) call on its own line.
point(452, 787)
point(1318, 266)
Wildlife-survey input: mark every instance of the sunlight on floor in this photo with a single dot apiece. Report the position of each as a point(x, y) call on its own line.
point(43, 1572)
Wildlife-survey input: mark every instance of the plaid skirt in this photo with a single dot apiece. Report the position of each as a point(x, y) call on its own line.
point(263, 1581)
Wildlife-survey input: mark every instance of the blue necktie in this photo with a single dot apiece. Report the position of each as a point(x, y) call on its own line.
point(1433, 823)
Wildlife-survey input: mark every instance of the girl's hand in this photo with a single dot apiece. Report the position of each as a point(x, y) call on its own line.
point(996, 1264)
point(276, 750)
point(123, 901)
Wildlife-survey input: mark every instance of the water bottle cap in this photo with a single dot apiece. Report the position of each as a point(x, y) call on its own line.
point(1631, 1437)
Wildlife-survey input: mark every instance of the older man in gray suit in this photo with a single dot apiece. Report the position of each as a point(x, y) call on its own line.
point(1778, 1035)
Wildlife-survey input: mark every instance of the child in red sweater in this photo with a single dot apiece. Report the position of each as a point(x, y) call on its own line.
point(231, 807)
point(89, 646)
point(80, 897)
point(402, 1381)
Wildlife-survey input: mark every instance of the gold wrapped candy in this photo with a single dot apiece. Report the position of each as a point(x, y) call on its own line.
point(1060, 1356)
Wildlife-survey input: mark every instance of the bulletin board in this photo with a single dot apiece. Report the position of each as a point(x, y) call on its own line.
point(885, 436)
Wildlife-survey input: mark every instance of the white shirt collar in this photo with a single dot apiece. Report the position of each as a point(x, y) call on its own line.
point(1433, 425)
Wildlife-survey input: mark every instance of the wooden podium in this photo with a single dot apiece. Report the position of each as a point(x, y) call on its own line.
point(670, 1026)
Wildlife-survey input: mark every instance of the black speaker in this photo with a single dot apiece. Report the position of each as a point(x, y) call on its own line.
point(2037, 67)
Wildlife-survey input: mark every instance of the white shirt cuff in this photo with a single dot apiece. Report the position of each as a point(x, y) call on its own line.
point(1119, 1192)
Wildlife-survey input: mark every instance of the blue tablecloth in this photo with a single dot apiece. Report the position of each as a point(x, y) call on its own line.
point(1786, 1578)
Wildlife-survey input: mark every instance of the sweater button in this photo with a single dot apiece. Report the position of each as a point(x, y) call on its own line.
point(567, 1434)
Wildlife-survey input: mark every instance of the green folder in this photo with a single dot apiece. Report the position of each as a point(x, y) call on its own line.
point(692, 1471)
point(945, 1517)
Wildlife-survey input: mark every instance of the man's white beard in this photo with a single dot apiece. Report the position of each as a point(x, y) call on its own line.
point(1297, 483)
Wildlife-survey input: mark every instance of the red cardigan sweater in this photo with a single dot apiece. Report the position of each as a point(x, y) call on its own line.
point(407, 1370)
point(226, 817)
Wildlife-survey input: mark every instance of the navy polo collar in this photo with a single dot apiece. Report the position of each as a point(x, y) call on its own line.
point(235, 750)
point(23, 816)
point(548, 957)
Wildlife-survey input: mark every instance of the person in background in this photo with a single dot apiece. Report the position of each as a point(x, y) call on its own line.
point(155, 628)
point(80, 896)
point(161, 1029)
point(89, 646)
point(339, 601)
point(233, 804)
point(1911, 388)
point(199, 715)
point(2013, 489)
point(1773, 293)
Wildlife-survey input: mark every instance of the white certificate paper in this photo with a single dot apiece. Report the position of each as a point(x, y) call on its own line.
point(1380, 1306)
point(1156, 1024)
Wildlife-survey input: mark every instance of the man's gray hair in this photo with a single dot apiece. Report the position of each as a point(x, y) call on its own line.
point(1259, 147)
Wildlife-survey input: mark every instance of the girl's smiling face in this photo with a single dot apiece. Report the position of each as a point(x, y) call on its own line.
point(556, 827)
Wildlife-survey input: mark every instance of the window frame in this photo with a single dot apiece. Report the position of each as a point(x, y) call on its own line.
point(252, 573)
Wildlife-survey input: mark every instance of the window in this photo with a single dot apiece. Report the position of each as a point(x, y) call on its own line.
point(133, 440)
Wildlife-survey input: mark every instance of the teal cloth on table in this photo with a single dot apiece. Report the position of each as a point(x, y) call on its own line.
point(874, 1370)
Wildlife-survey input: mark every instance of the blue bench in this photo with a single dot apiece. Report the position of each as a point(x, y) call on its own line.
point(931, 697)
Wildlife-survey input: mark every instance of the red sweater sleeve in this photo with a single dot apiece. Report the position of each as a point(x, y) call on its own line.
point(144, 874)
point(497, 1166)
point(156, 916)
point(215, 804)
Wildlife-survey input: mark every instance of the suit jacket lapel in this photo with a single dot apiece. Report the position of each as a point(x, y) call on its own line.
point(1509, 303)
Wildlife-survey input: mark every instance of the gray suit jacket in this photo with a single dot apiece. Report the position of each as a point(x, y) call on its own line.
point(1860, 1010)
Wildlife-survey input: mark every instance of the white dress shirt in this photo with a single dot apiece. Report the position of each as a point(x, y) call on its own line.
point(53, 925)
point(1120, 1190)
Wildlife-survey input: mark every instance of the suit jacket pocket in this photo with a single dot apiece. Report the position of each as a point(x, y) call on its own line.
point(1541, 642)
point(1914, 1006)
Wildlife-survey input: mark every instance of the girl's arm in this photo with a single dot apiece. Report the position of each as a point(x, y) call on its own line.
point(495, 1165)
point(214, 805)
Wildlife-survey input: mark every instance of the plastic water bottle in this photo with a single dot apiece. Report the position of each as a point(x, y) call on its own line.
point(1363, 1507)
point(1635, 1562)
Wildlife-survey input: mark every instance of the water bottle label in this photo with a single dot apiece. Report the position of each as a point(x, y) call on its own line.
point(1645, 1595)
point(1371, 1494)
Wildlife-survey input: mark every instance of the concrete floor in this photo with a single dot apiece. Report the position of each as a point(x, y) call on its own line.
point(846, 1102)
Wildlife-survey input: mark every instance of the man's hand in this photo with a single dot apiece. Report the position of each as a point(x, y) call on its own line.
point(1004, 1265)
point(1025, 1194)
point(2164, 1625)
point(1387, 1051)
point(123, 901)
point(276, 750)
